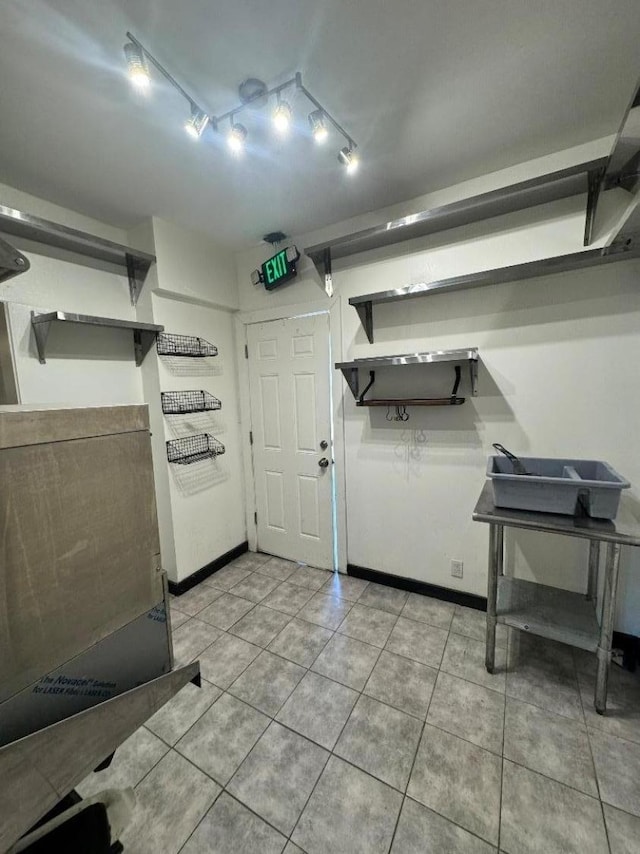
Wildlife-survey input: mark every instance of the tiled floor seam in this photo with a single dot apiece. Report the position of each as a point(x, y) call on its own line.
point(415, 755)
point(595, 773)
point(504, 726)
point(223, 790)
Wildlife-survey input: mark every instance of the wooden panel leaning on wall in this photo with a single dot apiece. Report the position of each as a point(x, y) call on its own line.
point(71, 481)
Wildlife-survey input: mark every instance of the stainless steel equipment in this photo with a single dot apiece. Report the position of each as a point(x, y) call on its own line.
point(548, 611)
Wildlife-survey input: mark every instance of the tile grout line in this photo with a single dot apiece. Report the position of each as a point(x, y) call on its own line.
point(415, 755)
point(593, 762)
point(504, 727)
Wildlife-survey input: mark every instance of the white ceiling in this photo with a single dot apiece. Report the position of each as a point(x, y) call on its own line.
point(433, 91)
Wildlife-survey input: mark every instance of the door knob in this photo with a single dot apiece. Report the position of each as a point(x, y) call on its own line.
point(324, 445)
point(323, 463)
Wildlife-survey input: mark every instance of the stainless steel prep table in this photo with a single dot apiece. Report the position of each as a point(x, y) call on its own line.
point(549, 611)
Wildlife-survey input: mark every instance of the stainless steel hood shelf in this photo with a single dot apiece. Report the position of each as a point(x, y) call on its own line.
point(525, 194)
point(620, 251)
point(85, 247)
point(12, 262)
point(144, 334)
point(622, 168)
point(351, 372)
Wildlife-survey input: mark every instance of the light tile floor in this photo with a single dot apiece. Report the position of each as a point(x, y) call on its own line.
point(341, 716)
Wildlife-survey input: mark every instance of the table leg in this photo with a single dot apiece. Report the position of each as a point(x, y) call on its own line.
point(594, 565)
point(606, 627)
point(495, 563)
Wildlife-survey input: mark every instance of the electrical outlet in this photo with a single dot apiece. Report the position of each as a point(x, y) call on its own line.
point(456, 568)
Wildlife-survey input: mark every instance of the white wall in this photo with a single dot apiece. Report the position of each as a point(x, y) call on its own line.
point(194, 293)
point(558, 377)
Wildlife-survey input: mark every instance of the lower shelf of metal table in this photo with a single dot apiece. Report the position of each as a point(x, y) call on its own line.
point(548, 612)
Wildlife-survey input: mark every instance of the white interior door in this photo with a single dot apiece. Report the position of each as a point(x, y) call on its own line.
point(291, 424)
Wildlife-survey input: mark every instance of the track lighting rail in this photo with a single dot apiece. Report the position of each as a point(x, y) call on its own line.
point(252, 92)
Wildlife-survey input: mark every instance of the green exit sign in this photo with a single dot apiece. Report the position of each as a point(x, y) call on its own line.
point(280, 269)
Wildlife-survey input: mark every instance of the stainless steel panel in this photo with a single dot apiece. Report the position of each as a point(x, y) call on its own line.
point(144, 334)
point(524, 194)
point(412, 359)
point(625, 529)
point(136, 653)
point(39, 770)
point(80, 243)
point(548, 612)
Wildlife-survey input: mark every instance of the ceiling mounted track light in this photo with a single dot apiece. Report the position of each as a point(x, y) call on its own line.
point(196, 124)
point(254, 95)
point(137, 64)
point(236, 138)
point(319, 129)
point(349, 158)
point(282, 117)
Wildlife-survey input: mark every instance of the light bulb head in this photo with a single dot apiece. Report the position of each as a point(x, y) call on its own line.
point(137, 65)
point(282, 117)
point(236, 138)
point(318, 126)
point(349, 158)
point(196, 123)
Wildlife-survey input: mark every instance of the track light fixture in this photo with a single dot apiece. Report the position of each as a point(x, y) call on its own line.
point(319, 129)
point(254, 95)
point(137, 64)
point(282, 117)
point(236, 138)
point(197, 122)
point(349, 158)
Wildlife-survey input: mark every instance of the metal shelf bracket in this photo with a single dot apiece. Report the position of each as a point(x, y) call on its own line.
point(12, 262)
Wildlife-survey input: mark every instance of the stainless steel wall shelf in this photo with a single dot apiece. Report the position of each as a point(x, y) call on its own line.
point(351, 371)
point(12, 262)
point(620, 251)
point(144, 334)
point(622, 169)
point(179, 402)
point(85, 247)
point(524, 194)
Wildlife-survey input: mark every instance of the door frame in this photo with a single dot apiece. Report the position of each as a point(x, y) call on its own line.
point(242, 321)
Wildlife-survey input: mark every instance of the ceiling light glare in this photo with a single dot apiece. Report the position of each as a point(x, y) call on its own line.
point(137, 65)
point(318, 126)
point(349, 158)
point(237, 137)
point(282, 117)
point(196, 123)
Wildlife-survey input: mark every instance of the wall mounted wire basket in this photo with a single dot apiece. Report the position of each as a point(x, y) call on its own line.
point(184, 345)
point(193, 449)
point(179, 402)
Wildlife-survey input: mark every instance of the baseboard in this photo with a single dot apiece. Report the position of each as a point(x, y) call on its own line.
point(177, 588)
point(469, 600)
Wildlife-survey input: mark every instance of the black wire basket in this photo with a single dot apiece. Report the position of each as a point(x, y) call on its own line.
point(193, 449)
point(179, 402)
point(184, 345)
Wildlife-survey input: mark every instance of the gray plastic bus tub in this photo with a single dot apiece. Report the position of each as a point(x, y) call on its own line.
point(569, 487)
